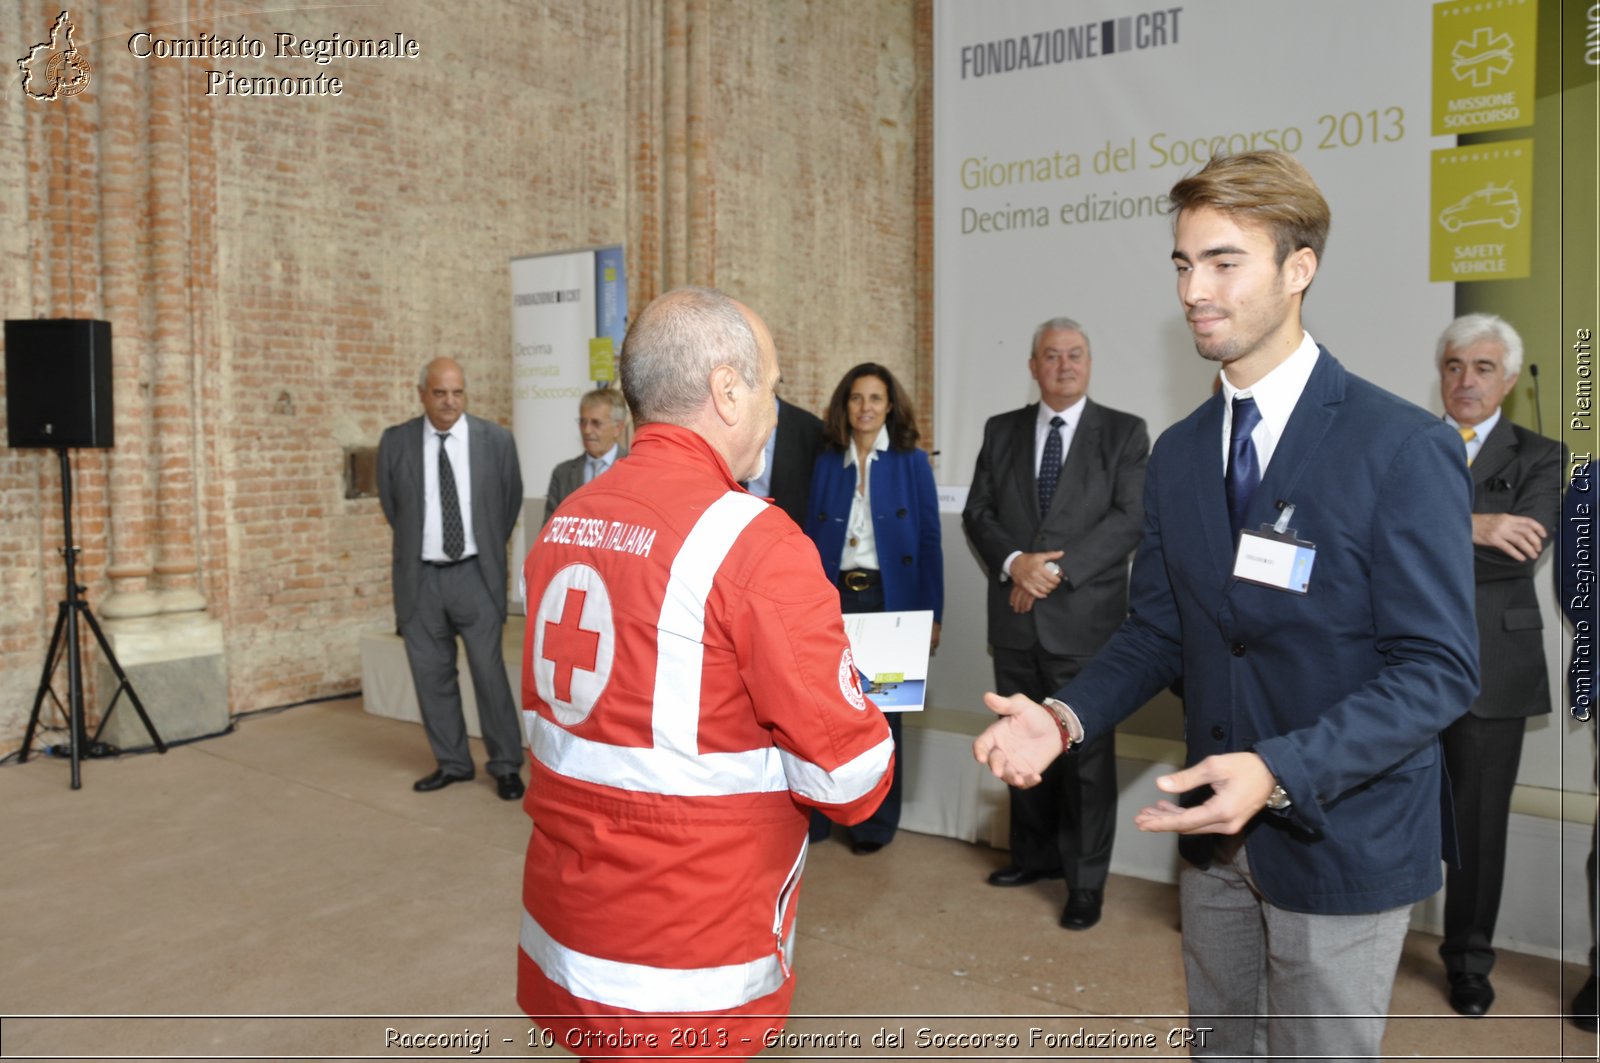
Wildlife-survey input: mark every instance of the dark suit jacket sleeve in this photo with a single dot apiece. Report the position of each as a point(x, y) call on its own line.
point(388, 470)
point(981, 515)
point(1422, 604)
point(510, 484)
point(1535, 492)
point(552, 495)
point(1106, 544)
point(794, 454)
point(565, 478)
point(930, 551)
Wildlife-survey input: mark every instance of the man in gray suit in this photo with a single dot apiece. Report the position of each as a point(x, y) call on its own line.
point(1054, 511)
point(602, 413)
point(1516, 502)
point(451, 489)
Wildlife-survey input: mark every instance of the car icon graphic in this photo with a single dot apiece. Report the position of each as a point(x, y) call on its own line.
point(1490, 205)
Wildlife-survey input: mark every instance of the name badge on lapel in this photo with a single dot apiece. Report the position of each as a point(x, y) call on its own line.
point(1274, 557)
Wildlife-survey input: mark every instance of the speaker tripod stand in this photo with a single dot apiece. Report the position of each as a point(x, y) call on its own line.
point(65, 640)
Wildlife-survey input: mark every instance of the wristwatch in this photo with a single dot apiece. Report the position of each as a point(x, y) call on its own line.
point(1278, 799)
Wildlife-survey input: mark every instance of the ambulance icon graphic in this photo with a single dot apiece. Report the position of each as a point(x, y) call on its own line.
point(1490, 205)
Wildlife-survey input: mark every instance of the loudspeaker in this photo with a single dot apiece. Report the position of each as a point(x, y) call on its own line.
point(58, 383)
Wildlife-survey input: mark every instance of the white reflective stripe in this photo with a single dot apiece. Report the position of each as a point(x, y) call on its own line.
point(680, 646)
point(844, 784)
point(638, 987)
point(654, 771)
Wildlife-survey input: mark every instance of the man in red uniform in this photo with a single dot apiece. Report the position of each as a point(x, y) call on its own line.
point(689, 697)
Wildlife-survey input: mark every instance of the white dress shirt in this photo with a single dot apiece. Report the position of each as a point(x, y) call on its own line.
point(1275, 395)
point(1072, 415)
point(860, 544)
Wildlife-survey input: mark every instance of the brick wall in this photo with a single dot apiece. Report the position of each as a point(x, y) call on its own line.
point(276, 270)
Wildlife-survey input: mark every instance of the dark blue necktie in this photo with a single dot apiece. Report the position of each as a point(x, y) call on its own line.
point(1244, 470)
point(450, 525)
point(1050, 465)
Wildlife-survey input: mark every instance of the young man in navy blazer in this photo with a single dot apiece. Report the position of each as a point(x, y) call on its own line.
point(1306, 569)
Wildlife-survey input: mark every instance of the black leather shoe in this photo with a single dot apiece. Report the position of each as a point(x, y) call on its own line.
point(509, 786)
point(1082, 910)
point(865, 848)
point(1471, 994)
point(1018, 876)
point(437, 781)
point(1585, 1006)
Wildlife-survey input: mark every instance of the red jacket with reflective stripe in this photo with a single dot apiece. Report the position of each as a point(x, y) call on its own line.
point(689, 696)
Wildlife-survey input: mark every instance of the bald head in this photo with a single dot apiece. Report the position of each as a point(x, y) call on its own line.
point(699, 359)
point(442, 387)
point(670, 351)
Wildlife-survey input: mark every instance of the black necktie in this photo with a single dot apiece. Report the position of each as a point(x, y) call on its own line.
point(1050, 465)
point(455, 535)
point(1244, 471)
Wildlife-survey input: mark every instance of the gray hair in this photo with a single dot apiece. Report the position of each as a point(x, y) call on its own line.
point(422, 374)
point(1468, 329)
point(606, 397)
point(1057, 324)
point(670, 351)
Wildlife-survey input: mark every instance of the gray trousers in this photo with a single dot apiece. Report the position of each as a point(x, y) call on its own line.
point(1272, 984)
point(452, 601)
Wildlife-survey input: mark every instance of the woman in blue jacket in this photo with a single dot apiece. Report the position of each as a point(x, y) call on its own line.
point(874, 515)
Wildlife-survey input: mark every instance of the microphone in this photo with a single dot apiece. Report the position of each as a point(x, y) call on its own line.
point(1538, 414)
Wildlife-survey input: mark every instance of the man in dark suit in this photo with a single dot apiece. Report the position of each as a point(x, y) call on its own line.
point(1516, 485)
point(451, 489)
point(1314, 591)
point(1053, 512)
point(602, 415)
point(791, 455)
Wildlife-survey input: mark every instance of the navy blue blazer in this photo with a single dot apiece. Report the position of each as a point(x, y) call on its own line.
point(905, 524)
point(1342, 690)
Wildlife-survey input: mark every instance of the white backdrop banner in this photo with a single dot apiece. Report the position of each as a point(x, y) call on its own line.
point(1059, 127)
point(569, 311)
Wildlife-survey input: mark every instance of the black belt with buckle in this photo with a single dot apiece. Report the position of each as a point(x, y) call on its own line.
point(859, 579)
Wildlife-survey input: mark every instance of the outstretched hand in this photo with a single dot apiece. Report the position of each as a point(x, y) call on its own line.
point(1240, 785)
point(1022, 743)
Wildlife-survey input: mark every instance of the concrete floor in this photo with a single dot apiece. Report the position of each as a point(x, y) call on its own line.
point(281, 892)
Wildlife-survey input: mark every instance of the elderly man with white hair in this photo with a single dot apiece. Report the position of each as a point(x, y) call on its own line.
point(1516, 502)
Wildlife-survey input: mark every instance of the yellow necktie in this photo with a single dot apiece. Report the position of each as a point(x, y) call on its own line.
point(1467, 436)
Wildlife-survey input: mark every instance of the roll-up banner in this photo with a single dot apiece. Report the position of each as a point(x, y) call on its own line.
point(569, 311)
